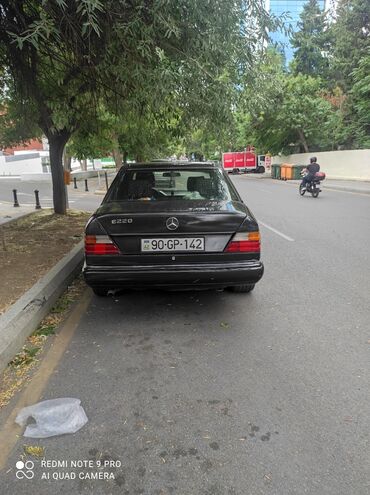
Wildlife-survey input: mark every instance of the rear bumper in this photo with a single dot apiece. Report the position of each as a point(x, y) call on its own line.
point(212, 275)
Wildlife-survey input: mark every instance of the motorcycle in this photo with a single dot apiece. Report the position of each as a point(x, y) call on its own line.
point(313, 186)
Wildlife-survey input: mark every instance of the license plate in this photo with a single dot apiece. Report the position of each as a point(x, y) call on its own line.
point(172, 244)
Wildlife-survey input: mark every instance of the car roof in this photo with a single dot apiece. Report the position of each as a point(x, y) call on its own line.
point(169, 165)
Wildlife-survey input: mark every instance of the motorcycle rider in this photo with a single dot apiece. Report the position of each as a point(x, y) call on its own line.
point(312, 168)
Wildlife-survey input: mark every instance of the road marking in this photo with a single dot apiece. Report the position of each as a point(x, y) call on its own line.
point(31, 394)
point(287, 238)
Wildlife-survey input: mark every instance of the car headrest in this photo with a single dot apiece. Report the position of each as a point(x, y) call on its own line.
point(206, 188)
point(145, 176)
point(139, 189)
point(193, 183)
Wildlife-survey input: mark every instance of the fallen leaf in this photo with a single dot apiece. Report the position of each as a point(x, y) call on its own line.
point(34, 450)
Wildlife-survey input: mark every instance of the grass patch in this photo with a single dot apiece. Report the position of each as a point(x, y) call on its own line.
point(45, 331)
point(62, 304)
point(26, 356)
point(20, 368)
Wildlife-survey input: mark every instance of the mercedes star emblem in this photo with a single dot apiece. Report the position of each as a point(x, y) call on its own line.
point(172, 223)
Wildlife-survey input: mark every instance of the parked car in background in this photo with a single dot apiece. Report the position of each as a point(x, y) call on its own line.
point(173, 226)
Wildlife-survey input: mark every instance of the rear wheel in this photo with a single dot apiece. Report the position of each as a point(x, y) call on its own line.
point(100, 291)
point(242, 288)
point(315, 192)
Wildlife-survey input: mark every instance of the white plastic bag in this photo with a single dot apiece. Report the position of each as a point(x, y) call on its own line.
point(52, 417)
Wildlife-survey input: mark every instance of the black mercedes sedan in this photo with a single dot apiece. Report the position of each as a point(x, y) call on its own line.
point(174, 226)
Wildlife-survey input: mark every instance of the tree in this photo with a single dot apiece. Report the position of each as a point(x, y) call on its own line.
point(135, 136)
point(65, 57)
point(259, 104)
point(97, 137)
point(311, 42)
point(304, 111)
point(351, 39)
point(296, 118)
point(16, 118)
point(47, 73)
point(349, 49)
point(360, 95)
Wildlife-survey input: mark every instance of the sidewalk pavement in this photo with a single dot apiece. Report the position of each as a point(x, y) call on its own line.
point(9, 213)
point(96, 185)
point(356, 186)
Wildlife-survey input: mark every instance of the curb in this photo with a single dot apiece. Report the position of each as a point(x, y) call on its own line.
point(347, 189)
point(18, 215)
point(255, 176)
point(23, 317)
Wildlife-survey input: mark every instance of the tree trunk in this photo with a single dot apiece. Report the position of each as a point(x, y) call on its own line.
point(303, 140)
point(67, 161)
point(118, 159)
point(56, 148)
point(83, 165)
point(125, 156)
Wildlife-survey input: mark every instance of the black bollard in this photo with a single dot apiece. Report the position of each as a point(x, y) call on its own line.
point(75, 182)
point(106, 180)
point(86, 188)
point(38, 206)
point(15, 198)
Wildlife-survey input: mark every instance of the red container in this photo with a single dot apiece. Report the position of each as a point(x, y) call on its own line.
point(239, 160)
point(320, 175)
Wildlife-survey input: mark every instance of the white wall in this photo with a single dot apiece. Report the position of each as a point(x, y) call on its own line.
point(20, 164)
point(24, 152)
point(348, 164)
point(36, 177)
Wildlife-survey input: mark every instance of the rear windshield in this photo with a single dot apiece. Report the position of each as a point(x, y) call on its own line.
point(169, 185)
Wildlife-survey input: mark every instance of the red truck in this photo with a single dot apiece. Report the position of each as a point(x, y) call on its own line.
point(243, 161)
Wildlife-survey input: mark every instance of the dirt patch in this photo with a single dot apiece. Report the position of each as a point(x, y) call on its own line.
point(31, 246)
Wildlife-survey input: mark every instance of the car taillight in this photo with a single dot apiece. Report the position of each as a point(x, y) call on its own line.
point(100, 244)
point(244, 242)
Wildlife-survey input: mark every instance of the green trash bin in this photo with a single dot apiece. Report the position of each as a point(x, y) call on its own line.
point(297, 169)
point(275, 171)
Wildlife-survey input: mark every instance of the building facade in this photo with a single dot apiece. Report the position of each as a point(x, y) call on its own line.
point(31, 145)
point(293, 8)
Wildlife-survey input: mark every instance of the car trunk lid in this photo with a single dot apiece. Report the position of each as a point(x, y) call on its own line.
point(128, 224)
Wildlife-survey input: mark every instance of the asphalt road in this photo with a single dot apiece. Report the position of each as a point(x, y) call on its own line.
point(215, 393)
